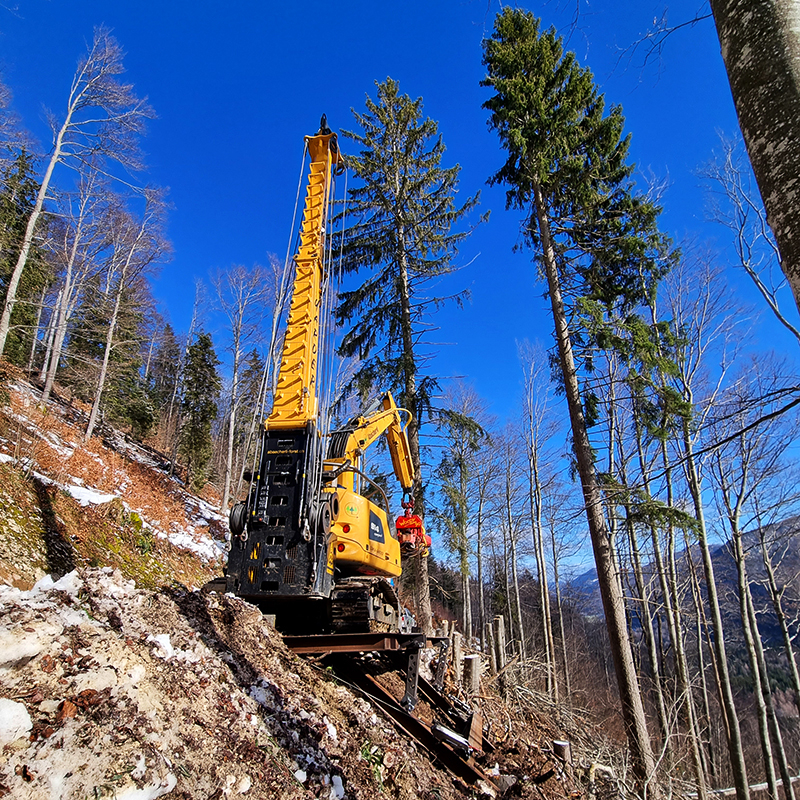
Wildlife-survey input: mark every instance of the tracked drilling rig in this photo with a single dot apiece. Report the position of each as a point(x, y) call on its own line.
point(307, 545)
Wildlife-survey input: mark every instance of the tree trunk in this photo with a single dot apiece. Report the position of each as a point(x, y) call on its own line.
point(479, 557)
point(101, 381)
point(776, 596)
point(535, 500)
point(733, 732)
point(672, 606)
point(772, 716)
point(49, 336)
point(646, 620)
point(613, 603)
point(701, 627)
point(226, 490)
point(560, 612)
point(422, 587)
point(760, 42)
point(755, 673)
point(35, 337)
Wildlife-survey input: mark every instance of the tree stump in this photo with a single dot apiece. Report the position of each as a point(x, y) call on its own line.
point(472, 675)
point(457, 656)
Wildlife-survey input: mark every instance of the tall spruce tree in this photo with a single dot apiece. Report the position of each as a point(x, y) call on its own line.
point(202, 386)
point(404, 210)
point(594, 239)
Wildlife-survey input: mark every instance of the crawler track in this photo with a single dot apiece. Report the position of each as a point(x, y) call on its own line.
point(364, 605)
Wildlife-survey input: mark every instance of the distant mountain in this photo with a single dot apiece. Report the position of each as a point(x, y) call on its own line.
point(785, 539)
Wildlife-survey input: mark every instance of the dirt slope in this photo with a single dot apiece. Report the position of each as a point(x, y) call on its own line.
point(134, 694)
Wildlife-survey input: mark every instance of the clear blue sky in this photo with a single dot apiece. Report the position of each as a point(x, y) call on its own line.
point(236, 85)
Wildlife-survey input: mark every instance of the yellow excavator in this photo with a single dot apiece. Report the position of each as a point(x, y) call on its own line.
point(309, 544)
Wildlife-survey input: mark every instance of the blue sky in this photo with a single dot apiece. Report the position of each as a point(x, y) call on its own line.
point(236, 85)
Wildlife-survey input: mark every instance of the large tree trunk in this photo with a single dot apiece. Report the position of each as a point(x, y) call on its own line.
point(760, 41)
point(643, 761)
point(422, 593)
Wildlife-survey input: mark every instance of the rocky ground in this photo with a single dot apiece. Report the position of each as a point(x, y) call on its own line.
point(113, 691)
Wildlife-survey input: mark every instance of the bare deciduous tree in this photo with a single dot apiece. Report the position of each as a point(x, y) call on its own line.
point(83, 234)
point(103, 121)
point(137, 243)
point(243, 294)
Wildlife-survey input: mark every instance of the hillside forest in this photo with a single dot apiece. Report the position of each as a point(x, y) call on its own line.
point(651, 433)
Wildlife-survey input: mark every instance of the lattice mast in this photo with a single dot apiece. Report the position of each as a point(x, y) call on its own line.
point(296, 401)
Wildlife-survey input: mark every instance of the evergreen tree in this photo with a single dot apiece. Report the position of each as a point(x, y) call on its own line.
point(17, 198)
point(202, 386)
point(598, 246)
point(402, 238)
point(165, 368)
point(126, 401)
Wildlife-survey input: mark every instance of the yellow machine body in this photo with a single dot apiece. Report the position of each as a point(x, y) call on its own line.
point(310, 536)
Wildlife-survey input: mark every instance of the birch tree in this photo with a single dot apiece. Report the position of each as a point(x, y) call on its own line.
point(103, 120)
point(243, 296)
point(137, 243)
point(85, 217)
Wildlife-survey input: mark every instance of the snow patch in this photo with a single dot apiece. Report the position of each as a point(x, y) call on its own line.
point(18, 645)
point(149, 791)
point(14, 721)
point(164, 648)
point(86, 496)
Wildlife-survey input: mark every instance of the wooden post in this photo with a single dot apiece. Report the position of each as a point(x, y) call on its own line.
point(500, 647)
point(472, 675)
point(457, 657)
point(500, 641)
point(490, 644)
point(563, 751)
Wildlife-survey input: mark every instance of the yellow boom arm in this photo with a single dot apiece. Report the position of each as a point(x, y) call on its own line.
point(364, 430)
point(295, 402)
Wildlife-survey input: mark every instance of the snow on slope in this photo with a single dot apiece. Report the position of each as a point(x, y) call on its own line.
point(41, 440)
